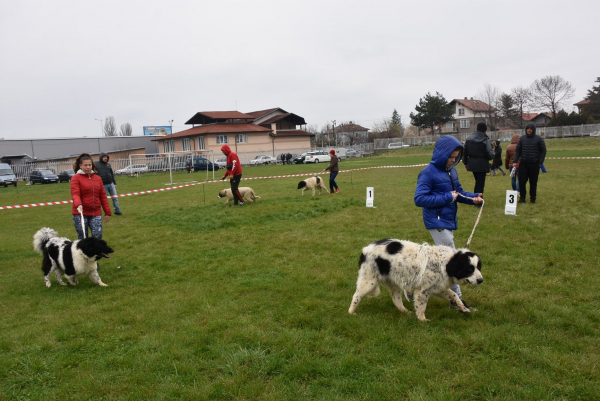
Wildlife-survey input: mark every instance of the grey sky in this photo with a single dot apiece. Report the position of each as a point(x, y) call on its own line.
point(65, 63)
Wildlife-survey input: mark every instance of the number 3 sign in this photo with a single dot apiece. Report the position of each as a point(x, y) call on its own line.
point(511, 203)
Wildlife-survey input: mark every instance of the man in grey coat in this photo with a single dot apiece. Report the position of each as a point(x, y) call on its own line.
point(108, 179)
point(531, 148)
point(477, 155)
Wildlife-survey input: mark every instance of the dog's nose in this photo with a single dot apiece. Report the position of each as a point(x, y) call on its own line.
point(480, 280)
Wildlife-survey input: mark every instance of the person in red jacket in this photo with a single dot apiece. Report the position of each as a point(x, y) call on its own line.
point(234, 169)
point(89, 198)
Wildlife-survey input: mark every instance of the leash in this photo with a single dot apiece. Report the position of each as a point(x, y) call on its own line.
point(478, 217)
point(83, 225)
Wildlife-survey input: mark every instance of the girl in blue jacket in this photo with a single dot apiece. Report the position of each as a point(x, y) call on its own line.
point(437, 193)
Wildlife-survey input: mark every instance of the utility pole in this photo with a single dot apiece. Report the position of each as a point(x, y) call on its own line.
point(334, 134)
point(101, 130)
point(171, 121)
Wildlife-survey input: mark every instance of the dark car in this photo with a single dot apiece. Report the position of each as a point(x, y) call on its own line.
point(200, 163)
point(299, 159)
point(65, 175)
point(42, 176)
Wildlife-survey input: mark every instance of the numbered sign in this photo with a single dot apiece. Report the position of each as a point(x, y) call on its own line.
point(369, 196)
point(511, 203)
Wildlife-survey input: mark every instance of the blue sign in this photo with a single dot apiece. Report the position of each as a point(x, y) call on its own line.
point(157, 130)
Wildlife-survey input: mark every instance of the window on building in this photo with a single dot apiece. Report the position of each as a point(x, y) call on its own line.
point(165, 147)
point(172, 142)
point(221, 139)
point(185, 144)
point(450, 125)
point(464, 123)
point(241, 138)
point(461, 112)
point(200, 143)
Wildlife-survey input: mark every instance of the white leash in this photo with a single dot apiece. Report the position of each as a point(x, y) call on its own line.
point(478, 217)
point(83, 224)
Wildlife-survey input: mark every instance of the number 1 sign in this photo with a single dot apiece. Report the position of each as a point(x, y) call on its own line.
point(369, 196)
point(511, 203)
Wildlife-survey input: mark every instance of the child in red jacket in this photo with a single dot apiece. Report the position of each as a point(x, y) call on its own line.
point(89, 198)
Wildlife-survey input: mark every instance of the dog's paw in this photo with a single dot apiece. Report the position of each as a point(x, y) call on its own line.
point(101, 284)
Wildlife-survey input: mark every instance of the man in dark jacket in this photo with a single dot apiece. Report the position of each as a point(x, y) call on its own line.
point(437, 192)
point(477, 155)
point(531, 148)
point(108, 179)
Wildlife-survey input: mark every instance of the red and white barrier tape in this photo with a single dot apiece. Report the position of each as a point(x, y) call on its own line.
point(580, 157)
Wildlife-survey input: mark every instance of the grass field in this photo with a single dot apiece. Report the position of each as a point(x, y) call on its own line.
point(213, 302)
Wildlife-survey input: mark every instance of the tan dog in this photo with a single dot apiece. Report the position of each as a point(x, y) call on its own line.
point(312, 183)
point(246, 192)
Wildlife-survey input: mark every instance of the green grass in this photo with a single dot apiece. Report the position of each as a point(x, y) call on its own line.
point(214, 302)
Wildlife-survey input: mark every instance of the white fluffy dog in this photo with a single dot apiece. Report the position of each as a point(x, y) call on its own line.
point(422, 270)
point(312, 183)
point(246, 192)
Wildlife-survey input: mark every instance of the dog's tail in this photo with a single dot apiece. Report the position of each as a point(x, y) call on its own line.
point(41, 238)
point(301, 184)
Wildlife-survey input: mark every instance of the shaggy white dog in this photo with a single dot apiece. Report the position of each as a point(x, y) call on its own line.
point(312, 183)
point(72, 259)
point(246, 192)
point(422, 270)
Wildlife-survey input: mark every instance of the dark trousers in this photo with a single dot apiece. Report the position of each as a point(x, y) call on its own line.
point(332, 183)
point(235, 184)
point(528, 171)
point(479, 182)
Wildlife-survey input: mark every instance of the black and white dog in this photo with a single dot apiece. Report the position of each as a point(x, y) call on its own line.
point(312, 183)
point(72, 259)
point(422, 270)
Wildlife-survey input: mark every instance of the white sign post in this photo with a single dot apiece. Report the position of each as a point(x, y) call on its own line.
point(369, 196)
point(511, 203)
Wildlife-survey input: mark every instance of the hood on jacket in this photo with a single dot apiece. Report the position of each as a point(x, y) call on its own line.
point(515, 138)
point(532, 126)
point(102, 155)
point(442, 151)
point(226, 149)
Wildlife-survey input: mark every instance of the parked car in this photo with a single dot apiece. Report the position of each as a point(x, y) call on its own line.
point(221, 162)
point(7, 177)
point(397, 145)
point(158, 166)
point(258, 160)
point(201, 163)
point(352, 152)
point(43, 177)
point(299, 159)
point(317, 157)
point(65, 175)
point(133, 168)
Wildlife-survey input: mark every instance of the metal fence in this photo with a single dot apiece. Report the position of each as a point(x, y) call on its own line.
point(572, 131)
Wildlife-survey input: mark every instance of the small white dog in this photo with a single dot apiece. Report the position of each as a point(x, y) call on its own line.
point(422, 270)
point(313, 183)
point(246, 192)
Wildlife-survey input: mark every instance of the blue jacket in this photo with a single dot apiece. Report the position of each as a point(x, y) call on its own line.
point(435, 184)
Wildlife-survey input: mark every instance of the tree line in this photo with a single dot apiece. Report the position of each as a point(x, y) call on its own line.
point(110, 128)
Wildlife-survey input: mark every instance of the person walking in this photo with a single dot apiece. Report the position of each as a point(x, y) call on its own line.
point(531, 149)
point(508, 162)
point(334, 169)
point(289, 158)
point(234, 169)
point(89, 198)
point(497, 162)
point(477, 154)
point(437, 192)
point(105, 171)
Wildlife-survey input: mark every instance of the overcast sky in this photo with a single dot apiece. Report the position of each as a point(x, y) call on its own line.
point(66, 63)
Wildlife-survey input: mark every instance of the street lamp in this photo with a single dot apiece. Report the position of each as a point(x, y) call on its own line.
point(101, 123)
point(171, 121)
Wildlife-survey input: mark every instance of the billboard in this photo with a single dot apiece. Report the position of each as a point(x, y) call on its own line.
point(157, 130)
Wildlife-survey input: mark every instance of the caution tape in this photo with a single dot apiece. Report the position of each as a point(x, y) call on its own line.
point(199, 183)
point(579, 157)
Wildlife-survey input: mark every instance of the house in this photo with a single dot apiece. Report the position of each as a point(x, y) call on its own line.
point(539, 119)
point(350, 133)
point(248, 134)
point(582, 105)
point(467, 114)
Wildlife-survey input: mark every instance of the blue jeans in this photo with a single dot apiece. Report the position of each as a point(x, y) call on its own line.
point(112, 190)
point(92, 222)
point(332, 183)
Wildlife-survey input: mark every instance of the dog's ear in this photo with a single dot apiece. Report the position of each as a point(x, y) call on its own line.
point(459, 266)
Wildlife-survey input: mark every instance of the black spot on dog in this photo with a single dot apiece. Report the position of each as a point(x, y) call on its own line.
point(384, 241)
point(318, 180)
point(46, 263)
point(361, 260)
point(393, 247)
point(384, 266)
point(53, 251)
point(301, 184)
point(459, 266)
point(68, 259)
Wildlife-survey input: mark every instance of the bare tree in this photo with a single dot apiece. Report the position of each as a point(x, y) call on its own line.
point(382, 129)
point(490, 96)
point(126, 129)
point(521, 98)
point(551, 92)
point(110, 127)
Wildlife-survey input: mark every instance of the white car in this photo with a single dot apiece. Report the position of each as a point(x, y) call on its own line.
point(397, 145)
point(133, 168)
point(221, 162)
point(258, 160)
point(318, 156)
